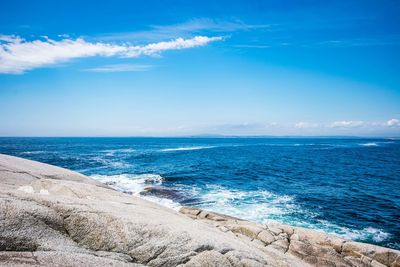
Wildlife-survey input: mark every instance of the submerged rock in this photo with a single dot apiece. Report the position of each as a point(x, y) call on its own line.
point(54, 217)
point(169, 193)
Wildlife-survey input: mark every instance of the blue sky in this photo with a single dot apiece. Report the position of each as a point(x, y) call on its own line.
point(173, 68)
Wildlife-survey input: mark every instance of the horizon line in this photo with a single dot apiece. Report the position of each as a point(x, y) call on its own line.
point(205, 136)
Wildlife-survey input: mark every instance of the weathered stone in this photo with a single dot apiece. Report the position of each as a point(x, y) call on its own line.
point(258, 242)
point(317, 247)
point(325, 263)
point(250, 230)
point(203, 214)
point(311, 259)
point(287, 229)
point(191, 211)
point(209, 258)
point(334, 242)
point(223, 228)
point(396, 262)
point(392, 257)
point(274, 230)
point(215, 217)
point(283, 243)
point(266, 237)
point(251, 263)
point(376, 264)
point(352, 261)
point(351, 249)
point(282, 236)
point(300, 248)
point(53, 258)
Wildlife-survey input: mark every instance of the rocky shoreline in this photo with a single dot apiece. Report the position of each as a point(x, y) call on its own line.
point(55, 217)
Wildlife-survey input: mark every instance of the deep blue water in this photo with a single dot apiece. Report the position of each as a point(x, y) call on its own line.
point(348, 187)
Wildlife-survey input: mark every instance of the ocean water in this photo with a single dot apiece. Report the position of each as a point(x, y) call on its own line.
point(346, 187)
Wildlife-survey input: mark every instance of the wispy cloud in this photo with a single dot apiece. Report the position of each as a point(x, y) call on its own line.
point(305, 125)
point(252, 46)
point(393, 122)
point(238, 126)
point(208, 24)
point(347, 124)
point(18, 55)
point(187, 29)
point(392, 40)
point(121, 68)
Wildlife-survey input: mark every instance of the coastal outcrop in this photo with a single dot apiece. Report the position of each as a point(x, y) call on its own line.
point(311, 246)
point(50, 216)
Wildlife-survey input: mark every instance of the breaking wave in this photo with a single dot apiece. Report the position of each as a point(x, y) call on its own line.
point(33, 152)
point(112, 152)
point(265, 207)
point(369, 144)
point(185, 148)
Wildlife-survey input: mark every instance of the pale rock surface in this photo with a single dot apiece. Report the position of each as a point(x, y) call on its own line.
point(50, 216)
point(312, 247)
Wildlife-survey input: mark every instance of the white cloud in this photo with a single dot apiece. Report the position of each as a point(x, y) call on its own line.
point(18, 55)
point(347, 124)
point(121, 68)
point(305, 125)
point(393, 122)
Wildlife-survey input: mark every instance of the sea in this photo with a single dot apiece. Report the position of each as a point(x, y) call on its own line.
point(349, 187)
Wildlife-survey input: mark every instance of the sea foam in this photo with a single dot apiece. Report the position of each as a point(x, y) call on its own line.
point(263, 207)
point(136, 183)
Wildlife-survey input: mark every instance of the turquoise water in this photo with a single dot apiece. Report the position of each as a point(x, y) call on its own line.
point(347, 187)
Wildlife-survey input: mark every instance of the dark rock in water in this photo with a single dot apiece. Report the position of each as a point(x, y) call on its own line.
point(153, 179)
point(169, 193)
point(160, 192)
